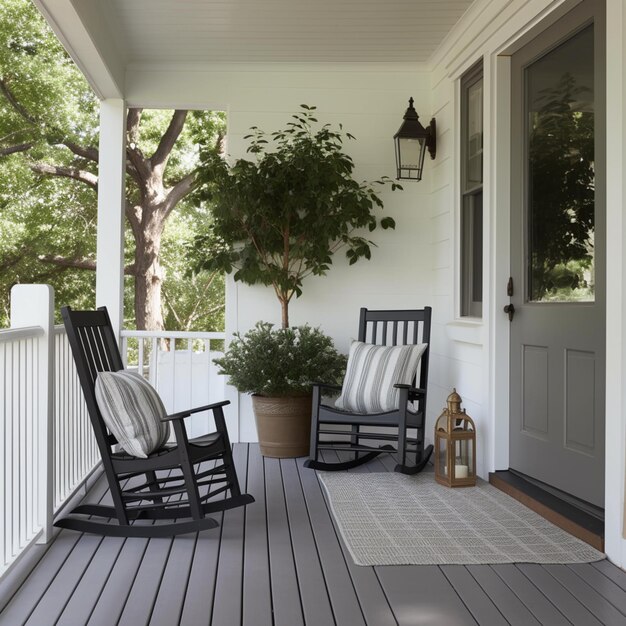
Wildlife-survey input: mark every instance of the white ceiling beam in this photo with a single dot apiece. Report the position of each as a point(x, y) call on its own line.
point(82, 29)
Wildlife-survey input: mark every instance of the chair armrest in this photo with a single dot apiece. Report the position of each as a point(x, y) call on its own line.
point(412, 390)
point(183, 414)
point(327, 386)
point(413, 393)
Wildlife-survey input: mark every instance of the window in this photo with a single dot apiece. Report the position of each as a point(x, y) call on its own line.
point(472, 192)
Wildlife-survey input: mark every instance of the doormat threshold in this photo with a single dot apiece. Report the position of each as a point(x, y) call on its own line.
point(570, 518)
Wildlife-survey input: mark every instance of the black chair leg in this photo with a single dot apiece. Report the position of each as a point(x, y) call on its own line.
point(313, 451)
point(229, 464)
point(186, 467)
point(151, 478)
point(354, 439)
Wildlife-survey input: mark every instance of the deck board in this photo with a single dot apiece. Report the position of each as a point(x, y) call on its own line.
point(603, 585)
point(200, 594)
point(418, 592)
point(257, 595)
point(83, 600)
point(50, 607)
point(339, 582)
point(568, 604)
point(473, 596)
point(313, 592)
point(507, 602)
point(372, 598)
point(538, 604)
point(284, 577)
point(282, 561)
point(168, 606)
point(37, 584)
point(597, 604)
point(228, 586)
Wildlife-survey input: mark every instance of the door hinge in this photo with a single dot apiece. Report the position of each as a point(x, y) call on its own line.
point(509, 287)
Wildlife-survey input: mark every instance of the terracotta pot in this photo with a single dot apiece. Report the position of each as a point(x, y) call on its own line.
point(283, 424)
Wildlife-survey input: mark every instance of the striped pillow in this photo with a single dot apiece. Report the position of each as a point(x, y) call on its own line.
point(371, 374)
point(132, 411)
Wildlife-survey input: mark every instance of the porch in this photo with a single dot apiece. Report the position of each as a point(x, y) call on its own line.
point(359, 62)
point(282, 561)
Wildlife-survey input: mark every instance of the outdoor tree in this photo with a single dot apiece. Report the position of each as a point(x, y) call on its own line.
point(48, 178)
point(281, 217)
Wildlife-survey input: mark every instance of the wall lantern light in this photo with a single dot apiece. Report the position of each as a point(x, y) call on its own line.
point(412, 140)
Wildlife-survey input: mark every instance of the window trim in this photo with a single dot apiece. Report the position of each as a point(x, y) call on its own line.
point(470, 308)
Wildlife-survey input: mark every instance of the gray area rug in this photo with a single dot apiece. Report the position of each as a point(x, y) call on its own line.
point(393, 519)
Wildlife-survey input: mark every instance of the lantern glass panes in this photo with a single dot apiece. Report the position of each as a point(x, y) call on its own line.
point(412, 141)
point(410, 157)
point(455, 446)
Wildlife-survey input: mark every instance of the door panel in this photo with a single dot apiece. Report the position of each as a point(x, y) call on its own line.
point(535, 394)
point(580, 410)
point(557, 256)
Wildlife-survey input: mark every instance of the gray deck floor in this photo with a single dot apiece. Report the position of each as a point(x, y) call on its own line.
point(281, 561)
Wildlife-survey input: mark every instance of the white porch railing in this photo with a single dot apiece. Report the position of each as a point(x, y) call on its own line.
point(180, 366)
point(26, 402)
point(75, 449)
point(47, 447)
point(20, 454)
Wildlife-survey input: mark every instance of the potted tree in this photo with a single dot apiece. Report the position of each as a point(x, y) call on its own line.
point(278, 219)
point(277, 367)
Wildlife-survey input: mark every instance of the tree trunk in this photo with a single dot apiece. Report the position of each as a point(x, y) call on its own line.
point(284, 304)
point(148, 279)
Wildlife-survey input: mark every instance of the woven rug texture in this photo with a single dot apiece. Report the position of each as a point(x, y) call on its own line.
point(394, 519)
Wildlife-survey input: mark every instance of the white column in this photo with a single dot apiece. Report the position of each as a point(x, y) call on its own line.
point(33, 305)
point(111, 200)
point(615, 545)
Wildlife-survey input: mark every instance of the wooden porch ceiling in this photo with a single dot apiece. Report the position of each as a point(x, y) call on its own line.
point(283, 30)
point(105, 38)
point(281, 561)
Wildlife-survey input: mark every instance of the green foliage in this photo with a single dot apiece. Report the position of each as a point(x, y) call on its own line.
point(191, 300)
point(46, 216)
point(44, 80)
point(284, 361)
point(562, 188)
point(42, 216)
point(280, 218)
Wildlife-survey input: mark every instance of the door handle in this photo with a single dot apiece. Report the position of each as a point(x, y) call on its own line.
point(509, 309)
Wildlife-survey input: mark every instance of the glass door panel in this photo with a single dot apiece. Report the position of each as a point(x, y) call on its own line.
point(560, 215)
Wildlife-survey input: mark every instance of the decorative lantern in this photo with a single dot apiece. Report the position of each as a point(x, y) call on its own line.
point(412, 140)
point(455, 445)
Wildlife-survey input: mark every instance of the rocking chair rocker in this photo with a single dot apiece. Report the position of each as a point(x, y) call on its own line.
point(170, 484)
point(385, 328)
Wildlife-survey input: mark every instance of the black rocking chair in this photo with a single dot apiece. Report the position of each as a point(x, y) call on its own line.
point(388, 328)
point(170, 484)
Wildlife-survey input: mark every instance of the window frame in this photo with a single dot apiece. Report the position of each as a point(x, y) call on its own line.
point(471, 246)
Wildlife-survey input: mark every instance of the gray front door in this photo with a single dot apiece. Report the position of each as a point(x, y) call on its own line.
point(557, 256)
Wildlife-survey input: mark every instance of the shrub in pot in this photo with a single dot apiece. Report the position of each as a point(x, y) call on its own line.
point(277, 366)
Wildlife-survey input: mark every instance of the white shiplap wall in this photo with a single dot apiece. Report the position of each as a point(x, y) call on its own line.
point(370, 102)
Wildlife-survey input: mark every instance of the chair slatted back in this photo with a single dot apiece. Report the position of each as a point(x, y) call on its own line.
point(95, 350)
point(399, 328)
